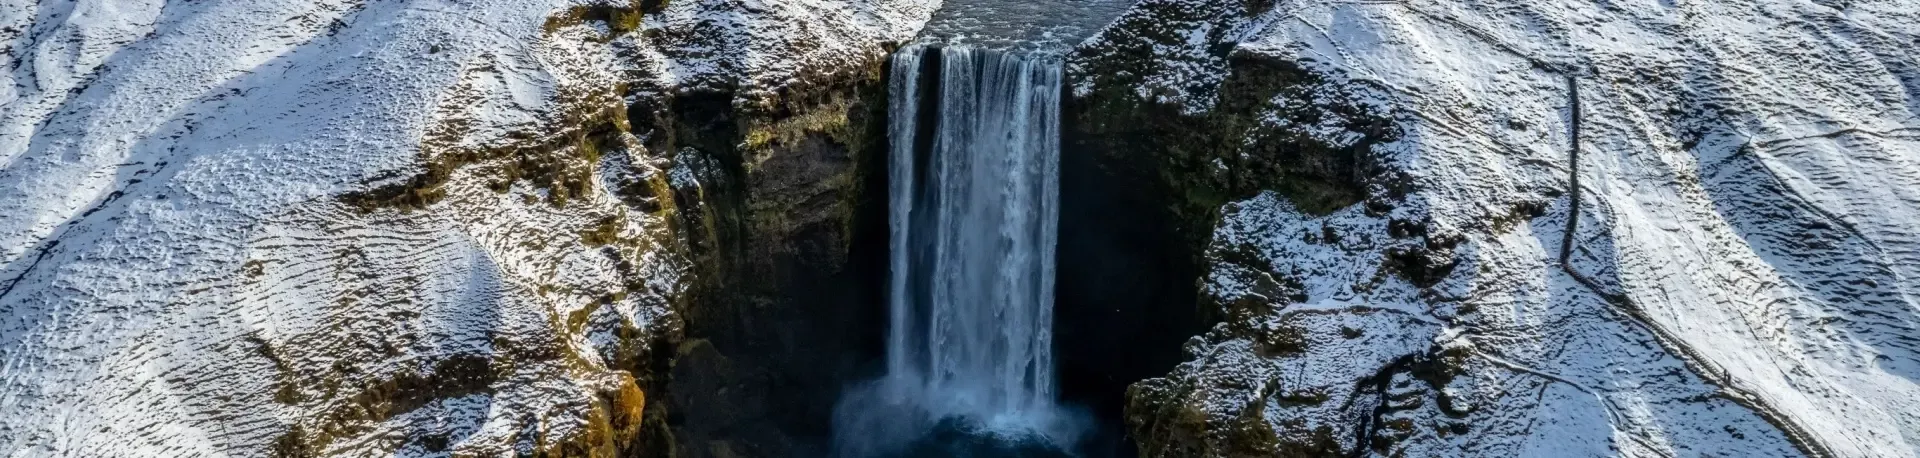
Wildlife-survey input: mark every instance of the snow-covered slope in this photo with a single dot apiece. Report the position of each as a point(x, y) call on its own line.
point(1739, 279)
point(343, 227)
point(252, 228)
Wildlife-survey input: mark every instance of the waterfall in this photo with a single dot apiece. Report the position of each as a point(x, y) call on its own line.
point(974, 211)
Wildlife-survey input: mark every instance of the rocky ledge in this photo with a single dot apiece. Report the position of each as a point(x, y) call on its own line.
point(1528, 229)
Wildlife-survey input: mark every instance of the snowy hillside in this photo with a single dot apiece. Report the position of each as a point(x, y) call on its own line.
point(1725, 267)
point(492, 227)
point(349, 228)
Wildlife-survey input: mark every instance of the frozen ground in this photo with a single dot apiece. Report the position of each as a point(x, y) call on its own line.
point(1740, 281)
point(181, 273)
point(180, 276)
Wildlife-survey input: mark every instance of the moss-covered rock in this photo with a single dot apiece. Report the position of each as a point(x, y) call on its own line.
point(595, 191)
point(779, 192)
point(1169, 419)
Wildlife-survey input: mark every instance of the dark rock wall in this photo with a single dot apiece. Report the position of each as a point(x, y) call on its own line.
point(1126, 291)
point(1150, 168)
point(789, 231)
point(791, 249)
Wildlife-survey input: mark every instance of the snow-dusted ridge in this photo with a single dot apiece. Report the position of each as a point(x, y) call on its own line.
point(767, 45)
point(1737, 282)
point(341, 227)
point(220, 239)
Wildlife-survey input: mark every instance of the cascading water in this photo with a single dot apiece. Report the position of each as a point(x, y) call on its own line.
point(974, 214)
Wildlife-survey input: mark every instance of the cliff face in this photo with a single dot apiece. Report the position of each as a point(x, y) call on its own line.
point(1523, 228)
point(605, 228)
point(413, 228)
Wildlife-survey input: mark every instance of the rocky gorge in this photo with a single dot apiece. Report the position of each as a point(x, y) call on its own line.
point(653, 228)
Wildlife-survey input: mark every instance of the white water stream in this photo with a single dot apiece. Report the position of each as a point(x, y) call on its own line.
point(974, 214)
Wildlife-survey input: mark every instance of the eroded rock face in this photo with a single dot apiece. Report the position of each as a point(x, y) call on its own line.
point(600, 228)
point(355, 229)
point(791, 304)
point(1719, 269)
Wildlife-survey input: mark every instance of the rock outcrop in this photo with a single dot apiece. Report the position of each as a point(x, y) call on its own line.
point(349, 228)
point(653, 228)
point(1512, 228)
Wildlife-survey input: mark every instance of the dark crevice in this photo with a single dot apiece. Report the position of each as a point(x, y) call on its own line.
point(18, 279)
point(60, 231)
point(1143, 182)
point(1573, 170)
point(789, 239)
point(1436, 368)
point(774, 334)
point(1796, 435)
point(1126, 294)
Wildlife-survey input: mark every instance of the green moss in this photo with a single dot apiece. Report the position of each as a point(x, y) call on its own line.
point(625, 20)
point(601, 233)
point(829, 119)
point(1162, 423)
point(620, 19)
